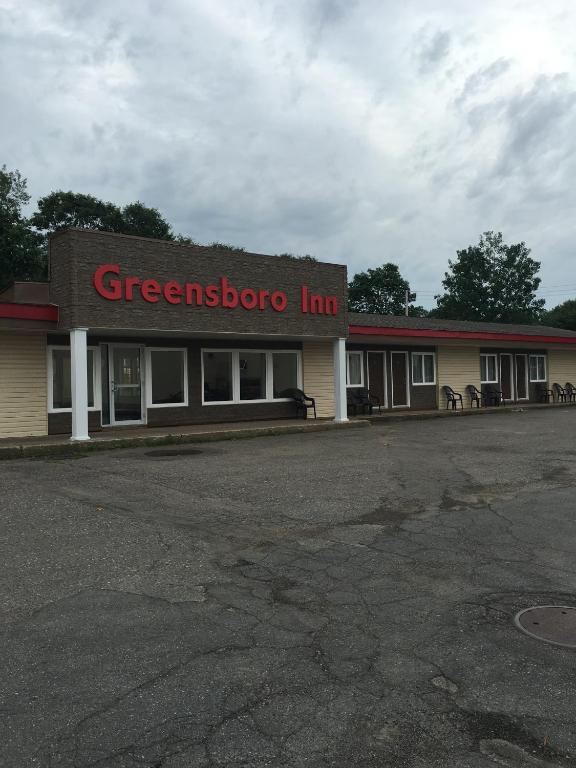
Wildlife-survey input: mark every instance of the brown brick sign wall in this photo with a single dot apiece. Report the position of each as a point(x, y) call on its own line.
point(101, 280)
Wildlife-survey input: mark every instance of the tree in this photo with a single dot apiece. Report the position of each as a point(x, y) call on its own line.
point(491, 281)
point(380, 291)
point(71, 209)
point(562, 316)
point(296, 257)
point(21, 249)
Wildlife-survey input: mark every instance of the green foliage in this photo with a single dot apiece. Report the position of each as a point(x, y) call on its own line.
point(491, 281)
point(380, 291)
point(562, 316)
point(138, 219)
point(226, 247)
point(22, 252)
point(71, 209)
point(296, 257)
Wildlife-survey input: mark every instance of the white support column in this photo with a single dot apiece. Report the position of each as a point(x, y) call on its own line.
point(340, 380)
point(79, 377)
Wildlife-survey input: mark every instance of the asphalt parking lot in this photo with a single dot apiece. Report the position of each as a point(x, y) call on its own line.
point(333, 599)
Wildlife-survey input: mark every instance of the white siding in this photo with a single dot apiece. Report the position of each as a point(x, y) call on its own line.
point(23, 385)
point(318, 375)
point(561, 366)
point(457, 367)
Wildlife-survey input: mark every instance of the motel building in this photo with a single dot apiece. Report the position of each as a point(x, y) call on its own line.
point(136, 332)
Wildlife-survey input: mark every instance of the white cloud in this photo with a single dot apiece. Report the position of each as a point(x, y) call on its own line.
point(358, 131)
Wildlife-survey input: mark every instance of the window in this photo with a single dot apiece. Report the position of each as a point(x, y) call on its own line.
point(252, 376)
point(60, 383)
point(488, 369)
point(423, 368)
point(167, 377)
point(354, 369)
point(537, 367)
point(217, 373)
point(284, 372)
point(244, 376)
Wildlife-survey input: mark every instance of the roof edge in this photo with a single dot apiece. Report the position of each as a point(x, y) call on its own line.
point(371, 330)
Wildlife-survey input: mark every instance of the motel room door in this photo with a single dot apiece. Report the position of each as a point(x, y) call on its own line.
point(522, 377)
point(377, 376)
point(400, 381)
point(506, 377)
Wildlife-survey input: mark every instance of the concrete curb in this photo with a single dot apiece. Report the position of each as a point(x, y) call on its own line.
point(79, 449)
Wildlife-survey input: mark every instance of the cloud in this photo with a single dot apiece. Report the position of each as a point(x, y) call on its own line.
point(434, 50)
point(361, 132)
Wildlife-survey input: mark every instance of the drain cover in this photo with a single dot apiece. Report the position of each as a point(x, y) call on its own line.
point(554, 624)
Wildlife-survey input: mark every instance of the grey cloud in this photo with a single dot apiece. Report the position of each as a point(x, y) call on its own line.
point(482, 78)
point(433, 50)
point(218, 115)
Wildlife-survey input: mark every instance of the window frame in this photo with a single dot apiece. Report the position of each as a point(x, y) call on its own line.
point(545, 366)
point(96, 378)
point(269, 385)
point(413, 355)
point(349, 353)
point(495, 356)
point(148, 376)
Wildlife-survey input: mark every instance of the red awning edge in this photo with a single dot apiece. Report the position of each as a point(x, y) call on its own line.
point(370, 330)
point(43, 312)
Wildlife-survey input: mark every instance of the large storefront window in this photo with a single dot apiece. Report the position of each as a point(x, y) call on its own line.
point(217, 370)
point(252, 376)
point(59, 379)
point(167, 377)
point(285, 372)
point(243, 376)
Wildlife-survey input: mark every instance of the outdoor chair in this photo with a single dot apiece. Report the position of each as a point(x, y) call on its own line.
point(476, 396)
point(560, 393)
point(303, 402)
point(494, 396)
point(357, 401)
point(367, 400)
point(452, 398)
point(570, 392)
point(544, 394)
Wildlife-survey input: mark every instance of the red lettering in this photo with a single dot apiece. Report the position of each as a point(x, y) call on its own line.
point(229, 294)
point(173, 292)
point(316, 304)
point(262, 296)
point(113, 290)
point(304, 299)
point(212, 296)
point(248, 298)
point(129, 284)
point(150, 290)
point(196, 289)
point(279, 301)
point(331, 305)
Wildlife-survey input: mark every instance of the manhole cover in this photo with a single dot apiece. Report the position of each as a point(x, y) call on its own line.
point(162, 452)
point(554, 624)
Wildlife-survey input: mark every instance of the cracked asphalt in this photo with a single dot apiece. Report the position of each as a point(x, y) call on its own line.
point(338, 599)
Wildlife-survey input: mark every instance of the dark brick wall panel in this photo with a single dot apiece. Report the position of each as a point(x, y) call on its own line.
point(75, 255)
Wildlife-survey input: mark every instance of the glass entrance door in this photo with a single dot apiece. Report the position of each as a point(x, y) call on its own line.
point(125, 385)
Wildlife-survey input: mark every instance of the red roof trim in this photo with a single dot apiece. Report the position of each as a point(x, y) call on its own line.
point(370, 330)
point(43, 312)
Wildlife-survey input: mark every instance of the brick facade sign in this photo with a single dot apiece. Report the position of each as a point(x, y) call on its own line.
point(106, 281)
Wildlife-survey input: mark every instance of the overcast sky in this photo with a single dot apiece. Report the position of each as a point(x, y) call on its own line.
point(360, 131)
